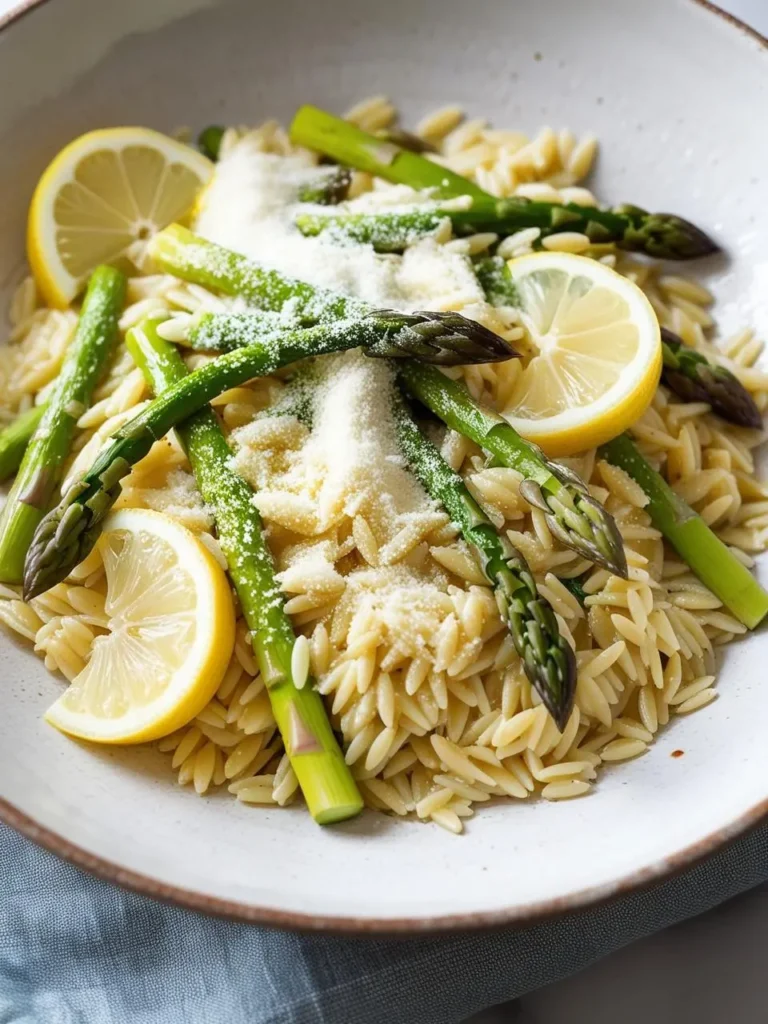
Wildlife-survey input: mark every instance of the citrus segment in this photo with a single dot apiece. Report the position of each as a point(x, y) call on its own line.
point(101, 197)
point(169, 636)
point(596, 352)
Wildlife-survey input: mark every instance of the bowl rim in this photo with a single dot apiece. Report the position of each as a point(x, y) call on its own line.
point(517, 916)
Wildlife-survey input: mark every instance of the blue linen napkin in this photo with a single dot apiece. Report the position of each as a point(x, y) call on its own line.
point(76, 950)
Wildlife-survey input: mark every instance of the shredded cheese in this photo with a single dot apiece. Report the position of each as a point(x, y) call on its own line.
point(250, 205)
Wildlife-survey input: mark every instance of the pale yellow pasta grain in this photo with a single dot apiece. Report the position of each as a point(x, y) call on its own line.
point(186, 746)
point(459, 562)
point(582, 157)
point(242, 756)
point(566, 241)
point(462, 788)
point(510, 729)
point(300, 662)
point(205, 762)
point(457, 761)
point(565, 770)
point(623, 749)
point(433, 802)
point(565, 789)
point(700, 700)
point(447, 819)
point(628, 629)
point(385, 699)
point(686, 288)
point(604, 660)
point(685, 693)
point(439, 123)
point(255, 794)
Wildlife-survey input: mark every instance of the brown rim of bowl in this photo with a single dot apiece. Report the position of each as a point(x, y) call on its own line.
point(505, 917)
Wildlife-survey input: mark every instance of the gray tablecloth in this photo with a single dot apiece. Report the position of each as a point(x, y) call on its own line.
point(75, 950)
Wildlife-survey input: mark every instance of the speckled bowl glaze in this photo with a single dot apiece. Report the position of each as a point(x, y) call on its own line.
point(677, 94)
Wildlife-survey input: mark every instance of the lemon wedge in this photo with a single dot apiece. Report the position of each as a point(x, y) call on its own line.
point(596, 352)
point(170, 635)
point(102, 196)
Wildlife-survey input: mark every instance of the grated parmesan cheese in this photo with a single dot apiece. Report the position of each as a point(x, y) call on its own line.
point(409, 606)
point(180, 498)
point(350, 463)
point(345, 476)
point(249, 207)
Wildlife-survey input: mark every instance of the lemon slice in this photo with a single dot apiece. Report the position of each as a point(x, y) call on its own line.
point(596, 350)
point(104, 193)
point(170, 635)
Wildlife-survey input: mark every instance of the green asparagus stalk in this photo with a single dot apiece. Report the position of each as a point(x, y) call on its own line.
point(548, 659)
point(448, 339)
point(15, 439)
point(662, 235)
point(657, 234)
point(330, 189)
point(386, 232)
point(573, 515)
point(577, 519)
point(42, 465)
point(406, 140)
point(233, 331)
point(689, 535)
point(178, 251)
point(68, 533)
point(325, 779)
point(496, 281)
point(350, 145)
point(209, 141)
point(695, 379)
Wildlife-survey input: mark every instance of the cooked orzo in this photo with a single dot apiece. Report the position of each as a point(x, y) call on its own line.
point(480, 620)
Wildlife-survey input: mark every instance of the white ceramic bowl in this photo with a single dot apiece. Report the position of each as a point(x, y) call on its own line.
point(678, 96)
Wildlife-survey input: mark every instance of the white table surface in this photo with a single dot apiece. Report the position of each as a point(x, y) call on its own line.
point(709, 971)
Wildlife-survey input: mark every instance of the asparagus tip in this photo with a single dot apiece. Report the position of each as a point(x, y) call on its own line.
point(695, 379)
point(665, 235)
point(688, 240)
point(449, 339)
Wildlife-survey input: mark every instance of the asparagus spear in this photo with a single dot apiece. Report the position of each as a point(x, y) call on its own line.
point(445, 338)
point(548, 659)
point(386, 232)
point(695, 379)
point(324, 777)
point(43, 461)
point(15, 439)
point(496, 281)
point(350, 145)
point(70, 530)
point(209, 141)
point(578, 520)
point(178, 251)
point(690, 536)
point(407, 140)
point(329, 190)
point(662, 235)
point(657, 234)
point(573, 516)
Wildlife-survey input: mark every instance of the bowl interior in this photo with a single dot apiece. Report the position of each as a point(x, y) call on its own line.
point(677, 111)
